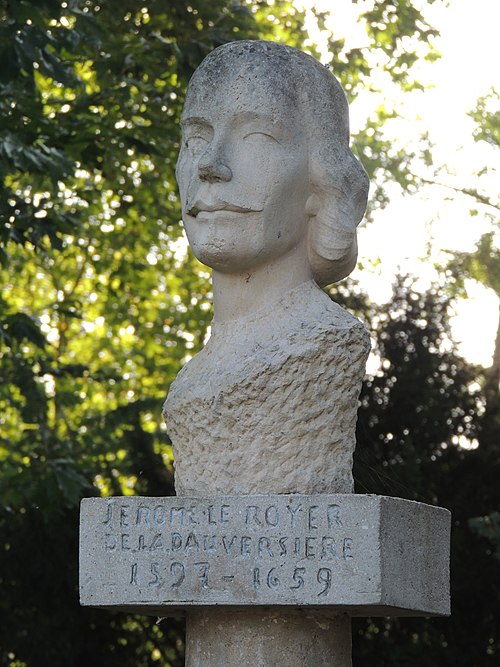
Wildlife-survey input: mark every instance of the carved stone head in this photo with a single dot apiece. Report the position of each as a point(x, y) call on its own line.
point(265, 164)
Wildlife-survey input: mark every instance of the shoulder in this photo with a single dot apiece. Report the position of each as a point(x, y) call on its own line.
point(316, 309)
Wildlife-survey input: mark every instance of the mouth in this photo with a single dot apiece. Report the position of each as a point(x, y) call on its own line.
point(217, 207)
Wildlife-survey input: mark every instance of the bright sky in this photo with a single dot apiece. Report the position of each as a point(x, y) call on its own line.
point(410, 233)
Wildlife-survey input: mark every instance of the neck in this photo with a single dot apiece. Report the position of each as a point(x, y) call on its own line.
point(240, 294)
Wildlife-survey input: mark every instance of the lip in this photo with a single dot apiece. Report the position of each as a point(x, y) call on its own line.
point(217, 207)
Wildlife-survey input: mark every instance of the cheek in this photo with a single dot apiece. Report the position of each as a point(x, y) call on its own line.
point(290, 183)
point(250, 165)
point(255, 162)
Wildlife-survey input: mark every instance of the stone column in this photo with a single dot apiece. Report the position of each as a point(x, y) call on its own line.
point(270, 637)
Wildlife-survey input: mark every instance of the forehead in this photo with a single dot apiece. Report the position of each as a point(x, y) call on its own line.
point(246, 88)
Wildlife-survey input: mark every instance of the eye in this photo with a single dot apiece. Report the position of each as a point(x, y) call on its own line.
point(260, 136)
point(196, 143)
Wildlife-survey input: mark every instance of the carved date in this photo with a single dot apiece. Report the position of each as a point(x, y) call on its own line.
point(271, 580)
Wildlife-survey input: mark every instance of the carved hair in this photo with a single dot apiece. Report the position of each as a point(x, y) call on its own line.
point(339, 182)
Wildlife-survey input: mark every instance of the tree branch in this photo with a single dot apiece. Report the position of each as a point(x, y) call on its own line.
point(482, 199)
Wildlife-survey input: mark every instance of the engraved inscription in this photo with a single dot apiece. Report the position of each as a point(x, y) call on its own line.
point(260, 548)
point(326, 551)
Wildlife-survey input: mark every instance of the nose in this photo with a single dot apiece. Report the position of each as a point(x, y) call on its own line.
point(214, 172)
point(213, 169)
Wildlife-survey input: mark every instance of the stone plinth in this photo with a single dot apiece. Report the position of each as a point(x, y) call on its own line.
point(357, 554)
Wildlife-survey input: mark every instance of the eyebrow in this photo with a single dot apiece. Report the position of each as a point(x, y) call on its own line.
point(194, 120)
point(255, 116)
point(246, 116)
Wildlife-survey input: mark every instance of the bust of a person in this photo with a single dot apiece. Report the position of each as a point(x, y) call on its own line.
point(271, 197)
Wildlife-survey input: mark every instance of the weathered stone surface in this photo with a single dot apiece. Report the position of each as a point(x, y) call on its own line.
point(265, 171)
point(369, 555)
point(271, 196)
point(270, 403)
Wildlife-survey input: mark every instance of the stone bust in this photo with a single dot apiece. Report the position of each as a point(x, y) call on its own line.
point(271, 196)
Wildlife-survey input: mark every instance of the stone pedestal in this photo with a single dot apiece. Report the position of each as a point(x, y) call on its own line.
point(327, 554)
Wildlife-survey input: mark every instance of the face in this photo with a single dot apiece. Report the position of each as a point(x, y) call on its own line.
point(242, 173)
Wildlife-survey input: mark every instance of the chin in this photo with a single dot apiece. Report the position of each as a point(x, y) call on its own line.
point(220, 257)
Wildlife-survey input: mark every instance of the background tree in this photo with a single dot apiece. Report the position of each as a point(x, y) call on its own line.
point(483, 264)
point(422, 436)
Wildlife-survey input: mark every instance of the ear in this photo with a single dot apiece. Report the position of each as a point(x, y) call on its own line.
point(312, 205)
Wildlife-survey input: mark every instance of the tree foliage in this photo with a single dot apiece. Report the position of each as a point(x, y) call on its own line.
point(483, 263)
